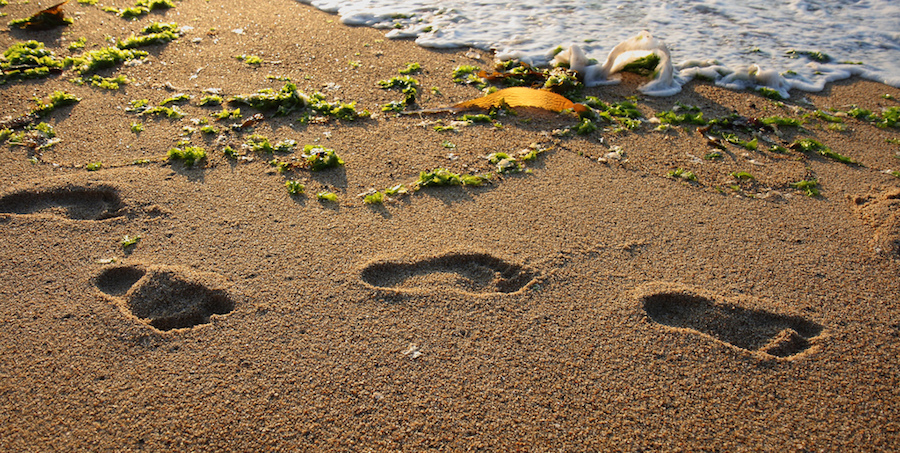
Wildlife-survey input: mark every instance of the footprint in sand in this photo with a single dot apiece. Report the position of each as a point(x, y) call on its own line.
point(881, 210)
point(75, 203)
point(165, 297)
point(752, 330)
point(470, 273)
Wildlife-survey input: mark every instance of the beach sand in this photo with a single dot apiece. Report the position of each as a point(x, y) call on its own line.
point(580, 306)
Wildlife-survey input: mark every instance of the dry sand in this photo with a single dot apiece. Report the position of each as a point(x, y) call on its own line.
point(583, 306)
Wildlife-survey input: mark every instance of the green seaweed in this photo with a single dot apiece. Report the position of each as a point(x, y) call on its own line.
point(189, 155)
point(411, 68)
point(374, 198)
point(670, 117)
point(816, 56)
point(250, 59)
point(437, 177)
point(295, 187)
point(77, 44)
point(327, 196)
point(807, 145)
point(128, 242)
point(211, 100)
point(406, 84)
point(209, 130)
point(56, 100)
point(769, 93)
point(890, 117)
point(585, 127)
point(285, 101)
point(742, 175)
point(137, 127)
point(28, 60)
point(479, 118)
point(225, 114)
point(808, 186)
point(177, 99)
point(94, 166)
point(682, 174)
point(169, 112)
point(463, 73)
point(644, 66)
point(102, 59)
point(862, 114)
point(320, 158)
point(781, 121)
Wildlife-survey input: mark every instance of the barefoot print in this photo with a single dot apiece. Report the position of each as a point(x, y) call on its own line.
point(752, 330)
point(469, 273)
point(166, 298)
point(74, 203)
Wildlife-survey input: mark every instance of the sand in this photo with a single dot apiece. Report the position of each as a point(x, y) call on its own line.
point(580, 306)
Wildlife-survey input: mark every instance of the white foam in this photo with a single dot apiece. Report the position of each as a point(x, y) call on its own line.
point(740, 44)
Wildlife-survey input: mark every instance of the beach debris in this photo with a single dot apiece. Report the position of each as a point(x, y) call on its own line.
point(45, 19)
point(128, 242)
point(412, 351)
point(514, 97)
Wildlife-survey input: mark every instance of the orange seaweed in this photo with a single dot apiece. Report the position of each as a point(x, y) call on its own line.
point(522, 97)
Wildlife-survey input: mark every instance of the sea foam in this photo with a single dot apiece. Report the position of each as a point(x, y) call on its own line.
point(797, 44)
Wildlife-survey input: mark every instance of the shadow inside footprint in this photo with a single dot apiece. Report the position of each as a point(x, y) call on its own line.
point(753, 330)
point(164, 298)
point(77, 203)
point(118, 280)
point(472, 273)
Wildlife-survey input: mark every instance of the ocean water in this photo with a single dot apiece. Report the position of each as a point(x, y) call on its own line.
point(800, 44)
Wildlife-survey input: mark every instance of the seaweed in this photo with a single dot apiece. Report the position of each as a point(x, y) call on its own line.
point(134, 42)
point(102, 59)
point(585, 127)
point(77, 44)
point(437, 177)
point(406, 84)
point(177, 99)
point(28, 60)
point(670, 117)
point(816, 56)
point(411, 68)
point(211, 100)
point(137, 127)
point(327, 196)
point(94, 166)
point(45, 19)
point(645, 66)
point(808, 186)
point(56, 100)
point(890, 117)
point(320, 158)
point(295, 187)
point(128, 242)
point(225, 114)
point(374, 198)
point(742, 175)
point(862, 114)
point(284, 101)
point(250, 59)
point(479, 118)
point(169, 112)
point(807, 145)
point(781, 121)
point(769, 93)
point(683, 174)
point(466, 71)
point(189, 155)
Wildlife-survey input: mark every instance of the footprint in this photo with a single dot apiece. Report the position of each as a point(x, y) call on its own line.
point(166, 298)
point(881, 210)
point(470, 273)
point(752, 330)
point(76, 203)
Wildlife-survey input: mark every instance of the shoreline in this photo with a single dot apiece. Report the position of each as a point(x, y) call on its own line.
point(595, 300)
